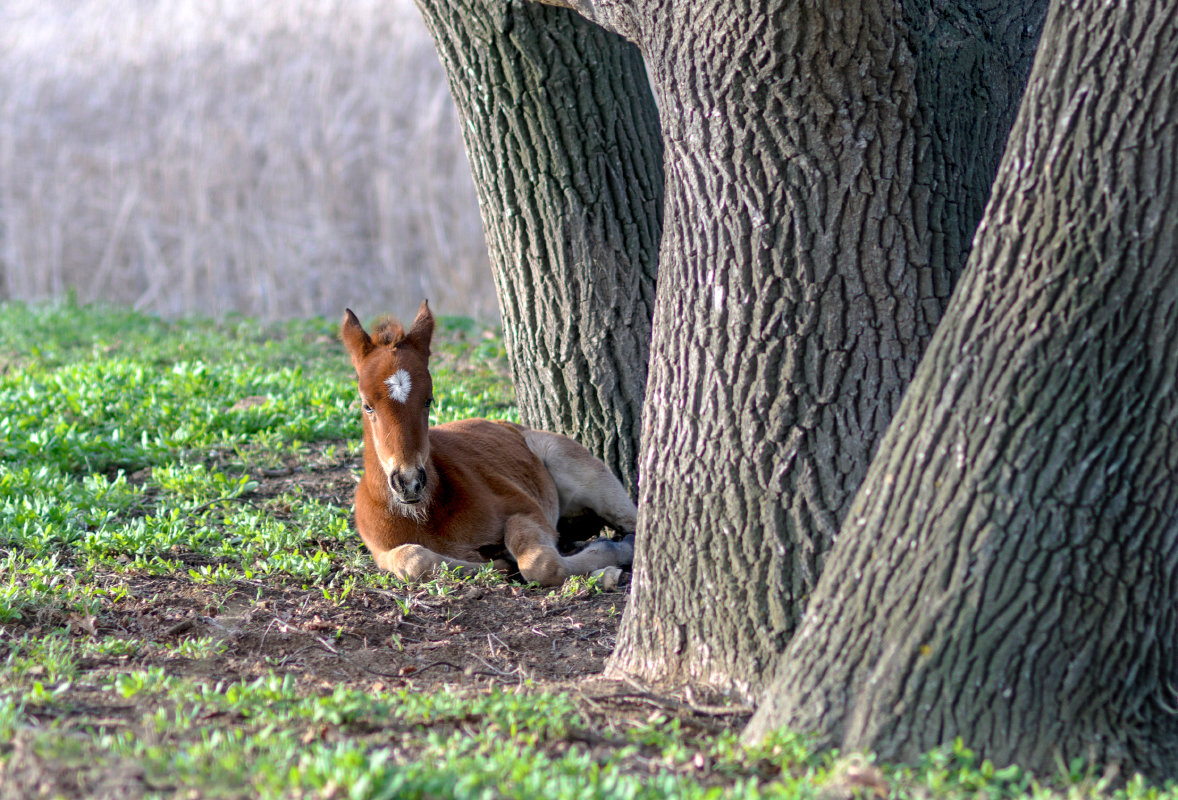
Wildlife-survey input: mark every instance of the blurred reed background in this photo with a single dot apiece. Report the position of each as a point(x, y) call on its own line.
point(280, 159)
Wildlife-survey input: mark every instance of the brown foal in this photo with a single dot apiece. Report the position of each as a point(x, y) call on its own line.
point(473, 491)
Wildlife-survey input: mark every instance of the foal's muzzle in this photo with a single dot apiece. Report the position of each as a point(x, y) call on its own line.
point(408, 485)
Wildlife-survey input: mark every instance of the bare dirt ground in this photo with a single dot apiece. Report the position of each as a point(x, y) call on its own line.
point(475, 635)
point(467, 640)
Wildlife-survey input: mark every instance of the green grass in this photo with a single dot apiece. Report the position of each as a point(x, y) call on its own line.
point(89, 397)
point(131, 446)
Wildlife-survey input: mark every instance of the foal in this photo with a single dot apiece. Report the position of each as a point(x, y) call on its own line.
point(468, 492)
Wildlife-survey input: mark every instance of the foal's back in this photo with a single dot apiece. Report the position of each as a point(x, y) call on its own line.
point(486, 474)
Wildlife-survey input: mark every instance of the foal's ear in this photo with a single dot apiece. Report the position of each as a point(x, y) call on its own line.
point(423, 328)
point(356, 339)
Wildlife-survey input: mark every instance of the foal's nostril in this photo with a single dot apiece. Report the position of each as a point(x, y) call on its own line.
point(407, 483)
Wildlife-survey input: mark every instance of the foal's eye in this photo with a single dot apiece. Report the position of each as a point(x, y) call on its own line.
point(429, 401)
point(368, 409)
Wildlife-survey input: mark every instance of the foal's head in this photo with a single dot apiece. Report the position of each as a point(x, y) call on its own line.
point(396, 392)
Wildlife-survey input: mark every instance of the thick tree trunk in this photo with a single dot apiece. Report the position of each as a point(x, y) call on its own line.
point(562, 135)
point(822, 185)
point(1009, 570)
point(793, 305)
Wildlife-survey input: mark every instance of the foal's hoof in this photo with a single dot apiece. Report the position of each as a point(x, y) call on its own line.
point(607, 578)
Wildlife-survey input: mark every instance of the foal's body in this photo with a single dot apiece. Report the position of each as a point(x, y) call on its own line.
point(469, 492)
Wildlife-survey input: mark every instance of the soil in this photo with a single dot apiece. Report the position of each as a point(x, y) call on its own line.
point(467, 640)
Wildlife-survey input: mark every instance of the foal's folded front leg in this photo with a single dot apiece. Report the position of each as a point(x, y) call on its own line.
point(533, 544)
point(412, 562)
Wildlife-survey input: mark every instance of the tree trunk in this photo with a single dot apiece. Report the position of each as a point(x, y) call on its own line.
point(822, 185)
point(793, 305)
point(1009, 570)
point(562, 135)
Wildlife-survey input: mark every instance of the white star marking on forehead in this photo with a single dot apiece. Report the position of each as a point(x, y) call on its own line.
point(399, 385)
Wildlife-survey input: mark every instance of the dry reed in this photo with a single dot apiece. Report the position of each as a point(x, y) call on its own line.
point(204, 156)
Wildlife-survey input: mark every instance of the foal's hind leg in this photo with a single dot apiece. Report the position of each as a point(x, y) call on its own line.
point(583, 481)
point(412, 562)
point(532, 542)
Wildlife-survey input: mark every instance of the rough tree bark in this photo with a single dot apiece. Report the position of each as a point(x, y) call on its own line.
point(972, 63)
point(1009, 570)
point(789, 317)
point(822, 183)
point(562, 136)
point(806, 259)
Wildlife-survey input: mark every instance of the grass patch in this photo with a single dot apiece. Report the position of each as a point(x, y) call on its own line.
point(185, 610)
point(128, 440)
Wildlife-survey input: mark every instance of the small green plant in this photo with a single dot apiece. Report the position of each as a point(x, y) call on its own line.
point(197, 647)
point(339, 595)
point(49, 659)
point(111, 647)
point(12, 716)
point(577, 586)
point(130, 684)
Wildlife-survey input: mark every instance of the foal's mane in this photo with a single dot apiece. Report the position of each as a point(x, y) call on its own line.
point(388, 332)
